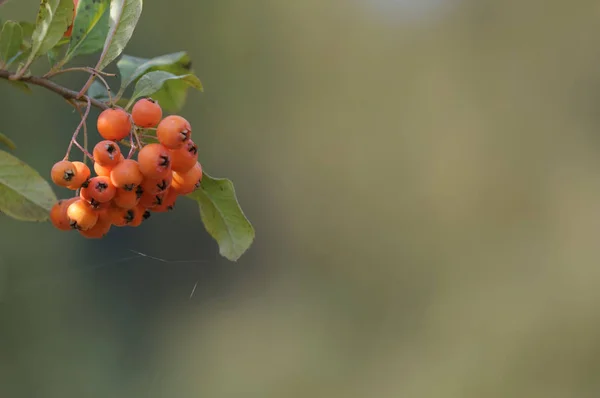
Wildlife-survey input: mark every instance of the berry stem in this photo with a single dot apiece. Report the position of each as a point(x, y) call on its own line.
point(54, 87)
point(82, 123)
point(87, 69)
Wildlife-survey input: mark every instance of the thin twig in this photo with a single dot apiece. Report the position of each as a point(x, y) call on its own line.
point(76, 133)
point(77, 69)
point(54, 87)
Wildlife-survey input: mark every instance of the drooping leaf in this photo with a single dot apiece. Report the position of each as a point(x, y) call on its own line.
point(8, 142)
point(222, 216)
point(24, 194)
point(131, 68)
point(90, 28)
point(124, 16)
point(172, 95)
point(54, 17)
point(11, 38)
point(152, 82)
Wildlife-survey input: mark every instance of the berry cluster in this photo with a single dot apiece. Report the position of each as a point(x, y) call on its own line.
point(124, 191)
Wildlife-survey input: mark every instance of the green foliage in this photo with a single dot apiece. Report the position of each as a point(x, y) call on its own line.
point(124, 16)
point(152, 82)
point(11, 38)
point(90, 28)
point(24, 194)
point(105, 26)
point(222, 216)
point(54, 17)
point(173, 91)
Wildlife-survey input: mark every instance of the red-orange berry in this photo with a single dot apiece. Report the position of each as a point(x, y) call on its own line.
point(99, 189)
point(102, 170)
point(186, 183)
point(168, 202)
point(125, 199)
point(146, 113)
point(173, 131)
point(150, 200)
point(107, 153)
point(184, 158)
point(155, 161)
point(141, 214)
point(124, 217)
point(63, 173)
point(114, 124)
point(81, 176)
point(81, 215)
point(99, 230)
point(58, 214)
point(126, 175)
point(157, 186)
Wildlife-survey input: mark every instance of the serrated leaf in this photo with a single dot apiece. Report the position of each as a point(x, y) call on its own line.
point(124, 16)
point(152, 82)
point(54, 17)
point(11, 38)
point(222, 216)
point(90, 28)
point(24, 194)
point(131, 68)
point(8, 142)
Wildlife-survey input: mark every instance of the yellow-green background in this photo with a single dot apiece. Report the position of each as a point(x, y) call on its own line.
point(424, 179)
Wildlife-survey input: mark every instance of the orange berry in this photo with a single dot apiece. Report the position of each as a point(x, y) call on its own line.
point(114, 124)
point(98, 231)
point(81, 215)
point(173, 131)
point(157, 186)
point(146, 113)
point(168, 201)
point(58, 214)
point(125, 199)
point(141, 214)
point(107, 153)
point(184, 158)
point(123, 217)
point(81, 177)
point(102, 170)
point(99, 190)
point(126, 175)
point(155, 161)
point(150, 200)
point(186, 183)
point(63, 173)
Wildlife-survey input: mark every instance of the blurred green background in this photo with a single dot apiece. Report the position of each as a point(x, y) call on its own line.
point(424, 179)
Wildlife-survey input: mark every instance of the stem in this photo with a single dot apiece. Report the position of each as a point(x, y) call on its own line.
point(76, 133)
point(77, 69)
point(56, 88)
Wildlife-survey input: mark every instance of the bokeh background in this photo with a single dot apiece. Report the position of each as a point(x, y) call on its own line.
point(424, 180)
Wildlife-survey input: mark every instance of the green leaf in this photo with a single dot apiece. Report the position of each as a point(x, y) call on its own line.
point(131, 68)
point(124, 16)
point(11, 38)
point(8, 142)
point(28, 29)
point(90, 28)
point(98, 91)
point(24, 194)
point(222, 216)
point(54, 17)
point(152, 82)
